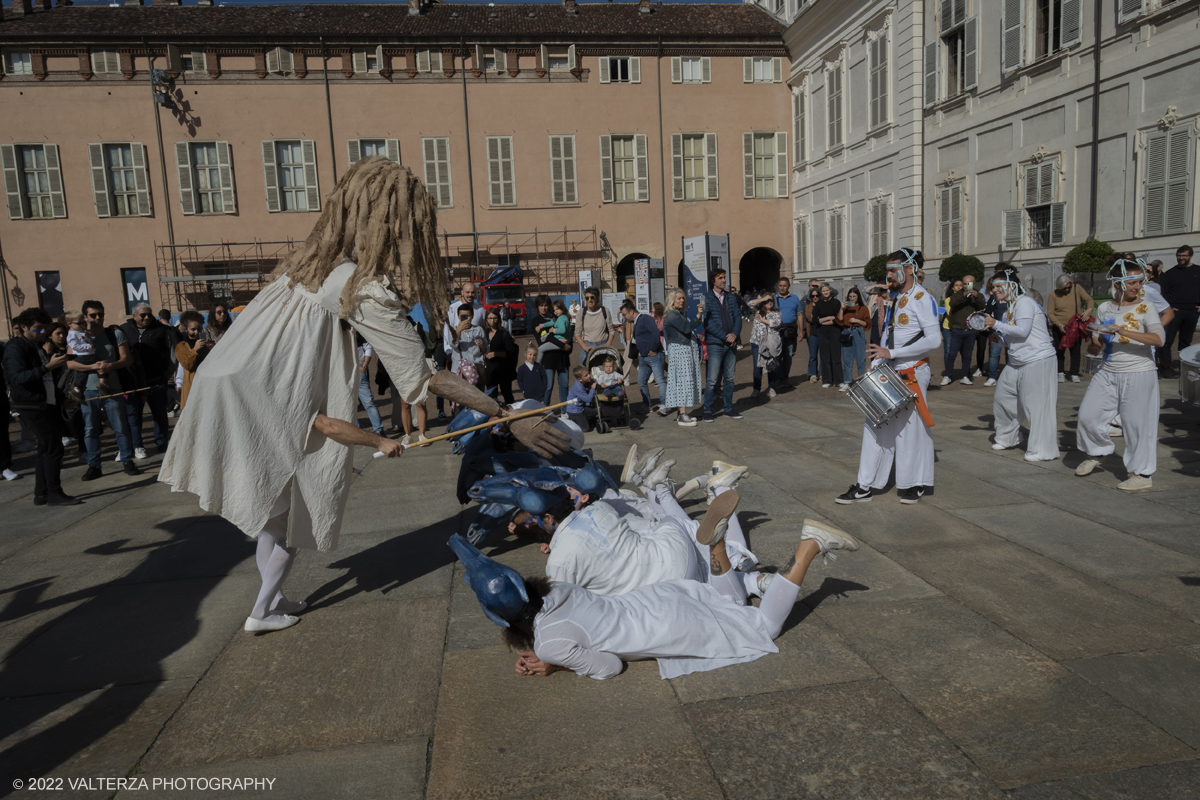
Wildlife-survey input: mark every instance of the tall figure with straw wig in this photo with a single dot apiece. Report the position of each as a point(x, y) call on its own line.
point(265, 440)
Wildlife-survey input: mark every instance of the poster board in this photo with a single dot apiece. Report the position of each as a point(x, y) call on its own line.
point(641, 274)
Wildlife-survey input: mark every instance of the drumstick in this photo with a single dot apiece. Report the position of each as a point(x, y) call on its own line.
point(533, 412)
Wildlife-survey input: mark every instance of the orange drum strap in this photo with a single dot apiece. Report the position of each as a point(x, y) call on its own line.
point(910, 378)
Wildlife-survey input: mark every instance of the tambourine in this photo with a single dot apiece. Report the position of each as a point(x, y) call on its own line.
point(977, 321)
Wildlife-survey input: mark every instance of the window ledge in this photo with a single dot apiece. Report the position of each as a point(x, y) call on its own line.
point(835, 151)
point(950, 103)
point(1157, 13)
point(1041, 64)
point(879, 129)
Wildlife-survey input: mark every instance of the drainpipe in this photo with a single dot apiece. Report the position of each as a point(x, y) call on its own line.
point(662, 161)
point(1094, 198)
point(162, 167)
point(329, 111)
point(470, 173)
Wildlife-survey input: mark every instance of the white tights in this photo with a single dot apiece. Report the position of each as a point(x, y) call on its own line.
point(274, 563)
point(776, 604)
point(665, 506)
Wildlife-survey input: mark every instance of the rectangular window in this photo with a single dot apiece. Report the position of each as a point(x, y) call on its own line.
point(951, 219)
point(429, 61)
point(837, 238)
point(799, 135)
point(18, 62)
point(802, 263)
point(207, 178)
point(558, 63)
point(763, 70)
point(292, 187)
point(1170, 167)
point(372, 62)
point(624, 170)
point(187, 64)
point(693, 166)
point(881, 212)
point(691, 70)
point(562, 170)
point(105, 61)
point(615, 69)
point(500, 171)
point(878, 51)
point(280, 61)
point(955, 76)
point(37, 180)
point(436, 154)
point(119, 183)
point(764, 165)
point(205, 173)
point(122, 184)
point(833, 86)
point(357, 149)
point(373, 147)
point(489, 62)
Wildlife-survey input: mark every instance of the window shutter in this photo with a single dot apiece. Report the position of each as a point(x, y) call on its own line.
point(781, 164)
point(431, 172)
point(677, 166)
point(99, 179)
point(273, 60)
point(436, 61)
point(706, 70)
point(422, 61)
point(777, 70)
point(1046, 183)
point(12, 182)
point(801, 264)
point(606, 169)
point(931, 73)
point(945, 220)
point(495, 176)
point(837, 240)
point(557, 193)
point(174, 60)
point(711, 186)
point(956, 219)
point(141, 179)
point(478, 56)
point(1072, 22)
point(635, 69)
point(748, 165)
point(833, 86)
point(947, 15)
point(183, 166)
point(1010, 35)
point(676, 69)
point(353, 150)
point(570, 194)
point(1179, 170)
point(442, 150)
point(545, 58)
point(286, 63)
point(605, 67)
point(1130, 9)
point(270, 175)
point(501, 59)
point(360, 61)
point(747, 70)
point(879, 80)
point(508, 193)
point(58, 205)
point(1057, 223)
point(642, 165)
point(1014, 229)
point(308, 150)
point(571, 57)
point(971, 53)
point(199, 61)
point(1032, 175)
point(1156, 183)
point(393, 149)
point(225, 167)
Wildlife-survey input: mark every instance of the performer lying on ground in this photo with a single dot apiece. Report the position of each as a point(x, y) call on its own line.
point(688, 626)
point(265, 439)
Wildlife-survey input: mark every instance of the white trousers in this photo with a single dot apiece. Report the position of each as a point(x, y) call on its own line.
point(904, 439)
point(666, 507)
point(1029, 391)
point(1134, 395)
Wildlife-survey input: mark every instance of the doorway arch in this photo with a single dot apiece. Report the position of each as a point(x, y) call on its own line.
point(625, 272)
point(759, 269)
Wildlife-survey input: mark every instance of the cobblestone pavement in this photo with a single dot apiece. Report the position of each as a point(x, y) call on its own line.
point(1020, 633)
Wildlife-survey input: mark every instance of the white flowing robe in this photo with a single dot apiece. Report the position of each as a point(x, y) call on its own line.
point(246, 434)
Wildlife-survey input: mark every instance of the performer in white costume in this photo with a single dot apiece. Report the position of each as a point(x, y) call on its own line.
point(1127, 383)
point(1029, 387)
point(910, 332)
point(265, 438)
point(686, 625)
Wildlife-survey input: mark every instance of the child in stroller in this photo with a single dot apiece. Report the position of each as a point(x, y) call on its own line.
point(608, 380)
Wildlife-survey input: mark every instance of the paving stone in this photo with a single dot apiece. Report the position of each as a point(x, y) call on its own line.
point(85, 734)
point(852, 740)
point(39, 592)
point(1177, 781)
point(502, 735)
point(1021, 717)
point(385, 770)
point(1162, 686)
point(357, 673)
point(1093, 500)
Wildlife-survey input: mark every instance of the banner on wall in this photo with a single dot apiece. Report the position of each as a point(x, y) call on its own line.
point(137, 290)
point(641, 274)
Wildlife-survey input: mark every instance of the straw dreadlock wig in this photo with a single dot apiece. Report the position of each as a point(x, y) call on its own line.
point(380, 217)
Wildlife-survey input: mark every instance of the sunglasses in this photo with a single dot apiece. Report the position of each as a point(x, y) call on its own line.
point(37, 330)
point(142, 316)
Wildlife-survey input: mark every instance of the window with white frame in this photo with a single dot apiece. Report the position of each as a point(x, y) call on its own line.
point(837, 237)
point(33, 181)
point(1128, 10)
point(1041, 220)
point(563, 189)
point(290, 169)
point(799, 122)
point(764, 164)
point(501, 189)
point(205, 175)
point(951, 219)
point(1035, 29)
point(691, 69)
point(435, 151)
point(694, 166)
point(952, 60)
point(105, 61)
point(1169, 176)
point(801, 233)
point(367, 62)
point(357, 149)
point(429, 61)
point(280, 61)
point(881, 217)
point(833, 102)
point(490, 59)
point(18, 62)
point(762, 70)
point(624, 170)
point(877, 52)
point(620, 69)
point(119, 179)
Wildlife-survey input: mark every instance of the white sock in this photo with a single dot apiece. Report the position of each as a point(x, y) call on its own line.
point(274, 572)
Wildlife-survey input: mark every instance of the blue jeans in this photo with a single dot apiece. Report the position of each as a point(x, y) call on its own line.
point(854, 353)
point(562, 387)
point(994, 359)
point(946, 351)
point(646, 365)
point(156, 398)
point(114, 407)
point(368, 402)
point(961, 342)
point(722, 360)
point(813, 348)
point(772, 375)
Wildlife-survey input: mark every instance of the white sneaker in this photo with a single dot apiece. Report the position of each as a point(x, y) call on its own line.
point(423, 440)
point(764, 582)
point(406, 439)
point(998, 446)
point(651, 382)
point(67, 440)
point(658, 477)
point(9, 475)
point(946, 381)
point(1062, 378)
point(770, 392)
point(118, 458)
point(1074, 379)
point(967, 381)
point(1087, 466)
point(828, 538)
point(1135, 483)
point(273, 622)
point(826, 385)
point(1115, 432)
point(139, 454)
point(646, 467)
point(977, 373)
point(689, 486)
point(721, 466)
point(630, 464)
point(727, 479)
point(845, 387)
point(990, 382)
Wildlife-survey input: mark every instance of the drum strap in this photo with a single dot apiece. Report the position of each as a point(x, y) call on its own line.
point(910, 379)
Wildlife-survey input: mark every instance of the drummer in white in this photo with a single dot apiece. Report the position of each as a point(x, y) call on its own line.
point(910, 332)
point(1126, 383)
point(1029, 387)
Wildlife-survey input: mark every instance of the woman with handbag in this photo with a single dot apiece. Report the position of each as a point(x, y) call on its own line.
point(1068, 304)
point(856, 319)
point(683, 380)
point(500, 356)
point(766, 344)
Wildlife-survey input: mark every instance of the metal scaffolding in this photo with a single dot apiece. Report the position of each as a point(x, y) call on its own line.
point(199, 275)
point(550, 260)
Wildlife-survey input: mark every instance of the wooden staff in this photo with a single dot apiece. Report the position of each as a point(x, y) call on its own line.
point(522, 415)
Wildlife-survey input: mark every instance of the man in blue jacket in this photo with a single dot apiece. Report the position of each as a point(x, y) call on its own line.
point(791, 308)
point(650, 353)
point(722, 325)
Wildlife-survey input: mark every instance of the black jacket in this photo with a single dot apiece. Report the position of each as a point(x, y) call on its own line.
point(23, 372)
point(151, 348)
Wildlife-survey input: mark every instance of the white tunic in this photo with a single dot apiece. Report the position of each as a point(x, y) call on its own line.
point(1026, 332)
point(916, 330)
point(687, 626)
point(606, 553)
point(247, 429)
point(1128, 355)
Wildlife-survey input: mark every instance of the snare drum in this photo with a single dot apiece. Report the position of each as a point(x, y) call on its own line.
point(1092, 364)
point(881, 394)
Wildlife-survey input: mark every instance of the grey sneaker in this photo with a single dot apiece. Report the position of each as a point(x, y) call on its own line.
point(828, 538)
point(727, 479)
point(1086, 467)
point(139, 454)
point(658, 478)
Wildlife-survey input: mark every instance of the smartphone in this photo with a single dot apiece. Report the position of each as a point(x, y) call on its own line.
point(970, 286)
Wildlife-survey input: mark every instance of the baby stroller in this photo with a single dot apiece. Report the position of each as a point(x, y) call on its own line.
point(610, 413)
